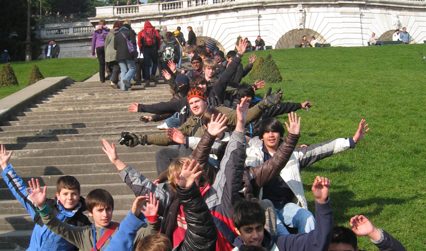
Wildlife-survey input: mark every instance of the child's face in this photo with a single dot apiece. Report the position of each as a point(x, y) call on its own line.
point(252, 235)
point(69, 198)
point(102, 215)
point(208, 72)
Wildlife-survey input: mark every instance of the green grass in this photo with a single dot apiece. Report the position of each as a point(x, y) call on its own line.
point(78, 69)
point(384, 177)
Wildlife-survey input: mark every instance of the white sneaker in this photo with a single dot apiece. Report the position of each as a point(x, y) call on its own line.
point(163, 126)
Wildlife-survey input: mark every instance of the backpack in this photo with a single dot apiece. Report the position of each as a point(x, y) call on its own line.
point(149, 38)
point(168, 53)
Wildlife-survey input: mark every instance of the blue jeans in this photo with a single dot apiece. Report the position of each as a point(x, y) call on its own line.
point(295, 217)
point(128, 69)
point(173, 121)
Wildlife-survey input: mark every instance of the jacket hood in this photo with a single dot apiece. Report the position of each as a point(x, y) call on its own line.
point(148, 25)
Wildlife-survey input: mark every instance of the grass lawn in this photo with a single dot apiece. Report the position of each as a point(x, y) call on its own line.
point(384, 177)
point(78, 69)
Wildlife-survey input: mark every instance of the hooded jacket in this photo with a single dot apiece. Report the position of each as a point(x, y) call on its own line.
point(147, 29)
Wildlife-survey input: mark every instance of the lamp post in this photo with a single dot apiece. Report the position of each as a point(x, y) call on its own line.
point(28, 39)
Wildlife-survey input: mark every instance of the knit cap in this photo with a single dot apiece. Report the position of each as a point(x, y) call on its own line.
point(196, 92)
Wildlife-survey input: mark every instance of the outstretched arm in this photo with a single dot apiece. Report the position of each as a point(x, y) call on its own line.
point(313, 153)
point(14, 182)
point(362, 226)
point(319, 238)
point(136, 181)
point(201, 231)
point(229, 179)
point(215, 127)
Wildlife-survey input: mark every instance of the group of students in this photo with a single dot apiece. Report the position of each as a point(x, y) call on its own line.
point(127, 55)
point(227, 180)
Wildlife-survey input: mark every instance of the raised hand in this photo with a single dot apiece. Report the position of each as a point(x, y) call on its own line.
point(166, 74)
point(306, 105)
point(133, 107)
point(109, 150)
point(241, 46)
point(151, 207)
point(361, 225)
point(259, 84)
point(242, 109)
point(37, 195)
point(252, 58)
point(176, 135)
point(360, 131)
point(217, 124)
point(4, 156)
point(293, 125)
point(189, 173)
point(138, 205)
point(171, 65)
point(320, 189)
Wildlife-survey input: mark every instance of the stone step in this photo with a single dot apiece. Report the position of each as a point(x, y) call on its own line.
point(77, 143)
point(96, 93)
point(149, 98)
point(115, 135)
point(78, 117)
point(15, 240)
point(76, 159)
point(90, 123)
point(60, 135)
point(148, 168)
point(67, 134)
point(78, 150)
point(86, 178)
point(94, 124)
point(73, 119)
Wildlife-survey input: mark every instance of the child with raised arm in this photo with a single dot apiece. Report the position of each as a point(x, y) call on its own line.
point(100, 205)
point(249, 219)
point(67, 207)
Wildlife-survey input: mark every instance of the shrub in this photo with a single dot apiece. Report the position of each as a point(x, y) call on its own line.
point(35, 75)
point(266, 69)
point(7, 76)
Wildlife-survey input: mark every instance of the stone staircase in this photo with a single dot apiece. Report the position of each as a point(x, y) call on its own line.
point(61, 136)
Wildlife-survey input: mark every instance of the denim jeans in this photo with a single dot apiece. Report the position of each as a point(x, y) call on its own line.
point(173, 121)
point(295, 217)
point(127, 68)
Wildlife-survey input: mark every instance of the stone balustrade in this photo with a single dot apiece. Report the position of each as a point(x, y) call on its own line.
point(66, 30)
point(188, 5)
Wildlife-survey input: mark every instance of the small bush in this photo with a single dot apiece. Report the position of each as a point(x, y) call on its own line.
point(266, 69)
point(7, 76)
point(35, 75)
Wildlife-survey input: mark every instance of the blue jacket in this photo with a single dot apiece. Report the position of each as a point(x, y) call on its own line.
point(124, 237)
point(42, 238)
